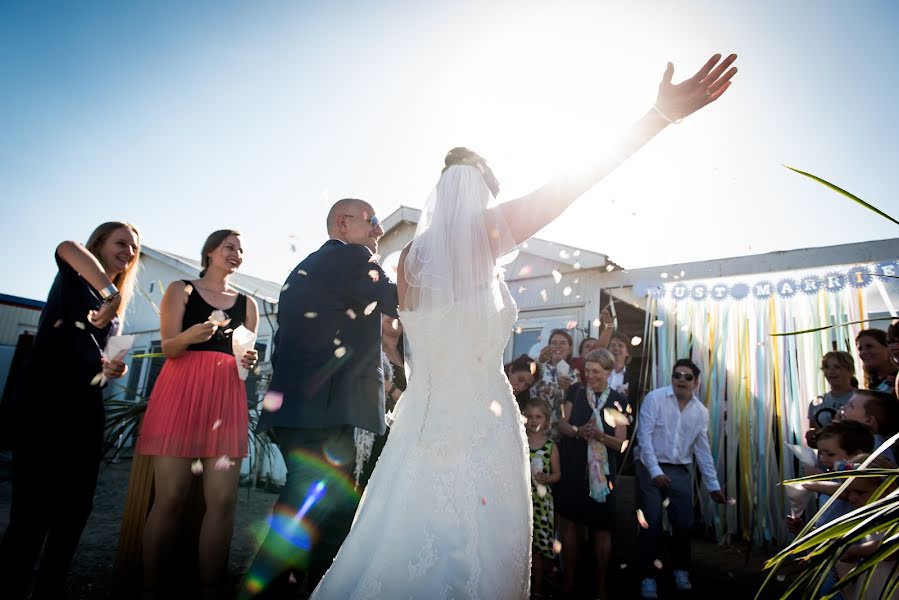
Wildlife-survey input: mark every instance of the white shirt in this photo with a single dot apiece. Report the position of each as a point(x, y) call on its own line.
point(668, 435)
point(616, 381)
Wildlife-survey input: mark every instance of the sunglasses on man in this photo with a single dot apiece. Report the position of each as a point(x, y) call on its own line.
point(684, 376)
point(373, 221)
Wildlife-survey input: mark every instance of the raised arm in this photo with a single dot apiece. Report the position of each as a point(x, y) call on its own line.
point(527, 215)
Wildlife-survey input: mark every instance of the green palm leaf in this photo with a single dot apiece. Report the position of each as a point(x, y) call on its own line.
point(822, 328)
point(849, 195)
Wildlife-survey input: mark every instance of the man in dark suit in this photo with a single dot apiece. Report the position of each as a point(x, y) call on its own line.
point(327, 381)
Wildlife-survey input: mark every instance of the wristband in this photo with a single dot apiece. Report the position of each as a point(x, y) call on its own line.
point(109, 292)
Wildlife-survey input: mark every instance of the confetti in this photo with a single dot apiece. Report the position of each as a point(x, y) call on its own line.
point(496, 409)
point(518, 330)
point(285, 286)
point(657, 564)
point(567, 291)
point(302, 272)
point(543, 295)
point(217, 424)
point(570, 325)
point(340, 352)
point(310, 315)
point(483, 500)
point(664, 275)
point(576, 280)
point(610, 267)
point(781, 577)
point(557, 546)
point(196, 467)
point(336, 341)
point(596, 322)
point(636, 340)
point(188, 289)
point(58, 324)
point(731, 501)
point(79, 325)
point(351, 313)
point(818, 400)
point(541, 490)
point(272, 401)
point(611, 487)
point(628, 409)
point(217, 317)
point(395, 324)
point(681, 273)
point(521, 288)
point(533, 367)
point(375, 276)
point(292, 579)
point(370, 308)
point(614, 418)
point(658, 323)
point(624, 445)
point(223, 463)
point(557, 276)
point(525, 271)
point(642, 519)
point(563, 254)
point(576, 265)
point(576, 253)
point(666, 502)
point(98, 379)
point(622, 566)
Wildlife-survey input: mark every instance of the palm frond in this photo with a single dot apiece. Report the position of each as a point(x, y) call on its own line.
point(849, 195)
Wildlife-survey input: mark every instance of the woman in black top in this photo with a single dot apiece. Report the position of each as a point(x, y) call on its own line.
point(593, 414)
point(58, 410)
point(196, 419)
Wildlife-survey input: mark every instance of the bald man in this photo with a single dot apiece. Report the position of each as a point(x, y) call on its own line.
point(327, 381)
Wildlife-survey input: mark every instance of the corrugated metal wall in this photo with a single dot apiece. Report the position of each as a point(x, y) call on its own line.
point(13, 319)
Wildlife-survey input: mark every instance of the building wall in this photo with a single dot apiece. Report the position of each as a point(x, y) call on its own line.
point(15, 320)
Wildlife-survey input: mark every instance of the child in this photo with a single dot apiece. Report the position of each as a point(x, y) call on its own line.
point(545, 469)
point(837, 441)
point(877, 410)
point(858, 493)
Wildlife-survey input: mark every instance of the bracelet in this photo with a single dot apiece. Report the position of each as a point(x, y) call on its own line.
point(664, 116)
point(110, 291)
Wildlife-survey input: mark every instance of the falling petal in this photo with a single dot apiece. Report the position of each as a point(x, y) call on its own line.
point(817, 401)
point(272, 401)
point(521, 288)
point(496, 409)
point(624, 445)
point(611, 487)
point(731, 501)
point(566, 291)
point(188, 289)
point(302, 272)
point(658, 323)
point(525, 271)
point(395, 324)
point(533, 368)
point(340, 352)
point(543, 295)
point(518, 329)
point(576, 280)
point(351, 313)
point(685, 328)
point(523, 418)
point(524, 245)
point(657, 564)
point(374, 258)
point(570, 325)
point(557, 276)
point(58, 324)
point(596, 322)
point(310, 315)
point(292, 579)
point(664, 276)
point(781, 577)
point(483, 500)
point(541, 490)
point(628, 409)
point(217, 317)
point(79, 325)
point(257, 370)
point(375, 276)
point(196, 467)
point(285, 286)
point(636, 340)
point(665, 503)
point(370, 308)
point(228, 331)
point(576, 265)
point(681, 273)
point(622, 566)
point(557, 546)
point(223, 463)
point(336, 341)
point(563, 254)
point(217, 424)
point(641, 519)
point(610, 267)
point(98, 378)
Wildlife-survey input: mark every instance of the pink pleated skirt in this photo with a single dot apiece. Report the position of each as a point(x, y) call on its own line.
point(198, 409)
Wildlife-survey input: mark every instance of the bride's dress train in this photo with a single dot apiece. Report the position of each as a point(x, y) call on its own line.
point(447, 512)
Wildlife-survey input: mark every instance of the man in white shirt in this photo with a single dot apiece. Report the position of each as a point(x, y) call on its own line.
point(672, 430)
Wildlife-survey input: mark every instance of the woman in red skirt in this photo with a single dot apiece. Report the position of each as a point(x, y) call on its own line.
point(196, 417)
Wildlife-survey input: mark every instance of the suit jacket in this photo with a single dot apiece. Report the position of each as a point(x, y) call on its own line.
point(327, 351)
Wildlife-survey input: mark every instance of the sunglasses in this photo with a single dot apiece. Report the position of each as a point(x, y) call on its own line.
point(373, 221)
point(685, 376)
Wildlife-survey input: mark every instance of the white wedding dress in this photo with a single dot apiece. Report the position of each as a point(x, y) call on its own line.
point(447, 512)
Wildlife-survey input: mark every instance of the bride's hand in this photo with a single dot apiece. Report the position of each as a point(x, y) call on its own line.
point(706, 86)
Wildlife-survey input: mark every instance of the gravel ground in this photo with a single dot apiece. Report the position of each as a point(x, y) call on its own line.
point(717, 569)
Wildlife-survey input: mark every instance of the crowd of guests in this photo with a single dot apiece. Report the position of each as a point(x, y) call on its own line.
point(579, 413)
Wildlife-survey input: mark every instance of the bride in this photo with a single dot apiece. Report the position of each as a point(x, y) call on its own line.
point(447, 511)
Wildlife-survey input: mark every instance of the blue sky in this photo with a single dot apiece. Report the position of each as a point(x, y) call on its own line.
point(188, 117)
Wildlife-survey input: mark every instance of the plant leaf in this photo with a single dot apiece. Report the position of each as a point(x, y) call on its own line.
point(849, 195)
point(813, 329)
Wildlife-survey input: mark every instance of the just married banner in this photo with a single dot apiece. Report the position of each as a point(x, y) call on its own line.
point(809, 284)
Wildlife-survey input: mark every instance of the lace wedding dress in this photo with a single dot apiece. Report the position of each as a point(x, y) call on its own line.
point(447, 511)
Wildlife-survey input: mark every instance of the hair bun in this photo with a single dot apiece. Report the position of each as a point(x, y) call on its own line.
point(462, 156)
